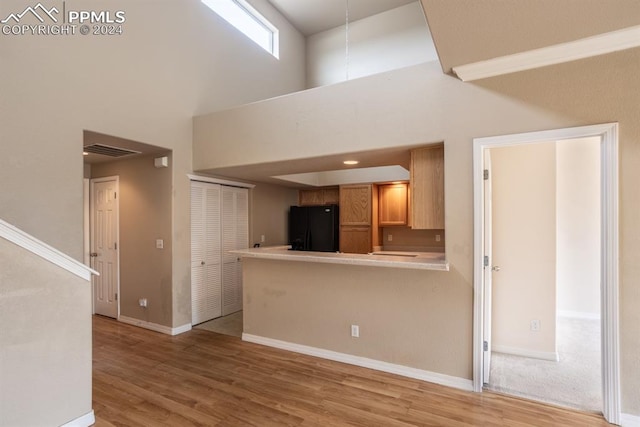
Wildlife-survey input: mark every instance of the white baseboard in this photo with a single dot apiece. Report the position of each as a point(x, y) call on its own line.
point(544, 355)
point(579, 315)
point(628, 420)
point(154, 326)
point(405, 371)
point(86, 420)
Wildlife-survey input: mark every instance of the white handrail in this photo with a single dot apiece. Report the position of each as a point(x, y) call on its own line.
point(38, 247)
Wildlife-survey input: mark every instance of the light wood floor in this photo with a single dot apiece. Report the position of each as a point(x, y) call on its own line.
point(144, 378)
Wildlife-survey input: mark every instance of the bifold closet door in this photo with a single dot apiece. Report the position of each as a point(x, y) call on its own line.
point(235, 235)
point(206, 256)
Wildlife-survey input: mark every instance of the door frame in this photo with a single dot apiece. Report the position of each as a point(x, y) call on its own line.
point(608, 132)
point(92, 181)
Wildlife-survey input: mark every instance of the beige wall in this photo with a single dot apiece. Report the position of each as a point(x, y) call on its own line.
point(406, 317)
point(174, 60)
point(145, 215)
point(419, 104)
point(270, 213)
point(386, 41)
point(523, 203)
point(578, 222)
point(45, 341)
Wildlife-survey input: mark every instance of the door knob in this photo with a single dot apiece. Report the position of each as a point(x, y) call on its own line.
point(495, 268)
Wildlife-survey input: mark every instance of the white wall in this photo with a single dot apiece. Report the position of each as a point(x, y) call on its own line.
point(578, 225)
point(386, 41)
point(524, 246)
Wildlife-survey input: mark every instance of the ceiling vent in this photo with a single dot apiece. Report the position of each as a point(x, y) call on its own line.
point(107, 150)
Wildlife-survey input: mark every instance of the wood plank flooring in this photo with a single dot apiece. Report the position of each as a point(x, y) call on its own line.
point(144, 378)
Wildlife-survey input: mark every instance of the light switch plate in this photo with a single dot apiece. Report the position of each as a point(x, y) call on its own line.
point(159, 244)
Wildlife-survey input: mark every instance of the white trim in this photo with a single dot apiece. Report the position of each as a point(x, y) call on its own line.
point(392, 368)
point(579, 315)
point(86, 420)
point(154, 326)
point(610, 234)
point(609, 276)
point(543, 355)
point(220, 181)
point(628, 420)
point(49, 253)
point(600, 44)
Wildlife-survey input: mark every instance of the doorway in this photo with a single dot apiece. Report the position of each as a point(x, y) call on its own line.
point(483, 267)
point(104, 245)
point(545, 302)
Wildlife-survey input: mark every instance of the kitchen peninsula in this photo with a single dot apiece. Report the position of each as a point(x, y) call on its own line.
point(383, 311)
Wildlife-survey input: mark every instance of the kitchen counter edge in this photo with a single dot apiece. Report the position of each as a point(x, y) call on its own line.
point(283, 253)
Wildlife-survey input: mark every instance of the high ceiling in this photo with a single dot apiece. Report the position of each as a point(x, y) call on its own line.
point(313, 16)
point(464, 32)
point(467, 31)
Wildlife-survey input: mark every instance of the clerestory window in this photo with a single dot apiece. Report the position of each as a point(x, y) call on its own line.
point(245, 18)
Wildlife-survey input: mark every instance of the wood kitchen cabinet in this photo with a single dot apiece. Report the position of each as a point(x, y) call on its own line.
point(355, 240)
point(355, 204)
point(427, 188)
point(359, 229)
point(392, 204)
point(319, 196)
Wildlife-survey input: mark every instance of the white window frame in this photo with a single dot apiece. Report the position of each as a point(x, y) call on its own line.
point(242, 6)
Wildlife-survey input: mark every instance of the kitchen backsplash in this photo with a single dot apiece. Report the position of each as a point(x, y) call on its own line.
point(406, 239)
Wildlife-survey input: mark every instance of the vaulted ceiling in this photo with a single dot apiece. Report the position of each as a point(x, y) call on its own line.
point(467, 31)
point(313, 16)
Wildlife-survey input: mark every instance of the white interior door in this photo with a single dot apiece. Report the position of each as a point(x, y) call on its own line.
point(104, 245)
point(488, 269)
point(235, 235)
point(206, 256)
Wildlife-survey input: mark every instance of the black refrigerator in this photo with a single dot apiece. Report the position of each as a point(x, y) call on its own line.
point(314, 228)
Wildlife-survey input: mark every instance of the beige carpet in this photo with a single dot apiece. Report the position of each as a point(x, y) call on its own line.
point(227, 325)
point(574, 381)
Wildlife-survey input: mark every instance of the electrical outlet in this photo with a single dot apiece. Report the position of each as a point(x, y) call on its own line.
point(437, 237)
point(535, 325)
point(355, 331)
point(390, 237)
point(262, 238)
point(142, 302)
point(159, 244)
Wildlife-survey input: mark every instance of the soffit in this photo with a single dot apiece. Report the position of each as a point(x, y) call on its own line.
point(93, 138)
point(467, 31)
point(268, 172)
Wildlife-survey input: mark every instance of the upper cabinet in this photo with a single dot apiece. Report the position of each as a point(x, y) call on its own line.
point(427, 188)
point(355, 204)
point(359, 230)
point(392, 204)
point(319, 196)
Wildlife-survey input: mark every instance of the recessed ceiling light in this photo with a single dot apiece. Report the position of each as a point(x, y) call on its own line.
point(351, 162)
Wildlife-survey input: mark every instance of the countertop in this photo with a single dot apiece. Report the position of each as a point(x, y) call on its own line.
point(393, 259)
